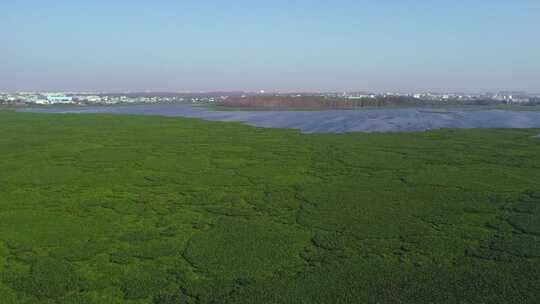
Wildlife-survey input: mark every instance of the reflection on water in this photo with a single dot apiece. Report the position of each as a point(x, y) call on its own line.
point(338, 121)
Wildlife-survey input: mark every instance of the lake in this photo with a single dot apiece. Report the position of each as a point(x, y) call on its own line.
point(333, 121)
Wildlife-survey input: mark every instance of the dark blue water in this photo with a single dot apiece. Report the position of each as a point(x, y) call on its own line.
point(336, 121)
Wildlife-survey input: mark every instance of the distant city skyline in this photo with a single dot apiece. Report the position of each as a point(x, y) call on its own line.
point(468, 46)
point(264, 92)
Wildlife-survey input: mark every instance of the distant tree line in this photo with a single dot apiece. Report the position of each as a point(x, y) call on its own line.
point(320, 102)
point(10, 103)
point(534, 101)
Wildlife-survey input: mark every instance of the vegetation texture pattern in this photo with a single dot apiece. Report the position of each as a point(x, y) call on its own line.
point(130, 209)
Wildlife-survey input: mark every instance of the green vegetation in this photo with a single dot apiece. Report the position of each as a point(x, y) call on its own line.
point(134, 209)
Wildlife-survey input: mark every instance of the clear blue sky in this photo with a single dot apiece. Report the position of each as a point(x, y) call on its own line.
point(294, 45)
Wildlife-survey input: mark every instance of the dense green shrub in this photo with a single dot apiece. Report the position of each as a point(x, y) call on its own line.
point(50, 278)
point(149, 210)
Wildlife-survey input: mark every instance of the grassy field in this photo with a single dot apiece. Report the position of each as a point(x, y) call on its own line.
point(130, 209)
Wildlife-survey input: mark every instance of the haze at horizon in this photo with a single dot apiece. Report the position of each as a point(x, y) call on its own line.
point(278, 46)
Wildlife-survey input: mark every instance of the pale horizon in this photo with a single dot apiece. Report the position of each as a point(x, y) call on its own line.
point(300, 46)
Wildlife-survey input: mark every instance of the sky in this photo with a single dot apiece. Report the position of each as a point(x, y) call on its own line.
point(286, 46)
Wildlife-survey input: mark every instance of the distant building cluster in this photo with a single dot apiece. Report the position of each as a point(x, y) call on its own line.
point(501, 97)
point(100, 99)
point(504, 97)
point(78, 98)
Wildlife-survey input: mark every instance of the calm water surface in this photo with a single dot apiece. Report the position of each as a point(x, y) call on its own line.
point(335, 121)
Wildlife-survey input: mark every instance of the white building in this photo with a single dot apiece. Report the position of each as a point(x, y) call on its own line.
point(93, 98)
point(54, 99)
